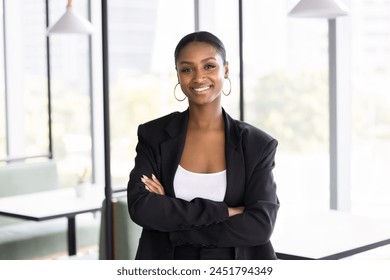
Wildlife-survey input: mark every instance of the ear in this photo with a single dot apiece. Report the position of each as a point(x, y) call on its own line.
point(226, 70)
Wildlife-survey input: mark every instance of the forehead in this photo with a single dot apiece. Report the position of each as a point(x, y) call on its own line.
point(198, 50)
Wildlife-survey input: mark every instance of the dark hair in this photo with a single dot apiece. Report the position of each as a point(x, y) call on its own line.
point(201, 36)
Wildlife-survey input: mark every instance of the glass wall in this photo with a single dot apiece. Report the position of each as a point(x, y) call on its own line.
point(286, 94)
point(33, 76)
point(370, 84)
point(221, 18)
point(25, 80)
point(285, 87)
point(142, 39)
point(70, 90)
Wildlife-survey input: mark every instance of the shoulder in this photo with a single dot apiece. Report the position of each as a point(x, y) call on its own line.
point(257, 146)
point(253, 141)
point(161, 122)
point(163, 127)
point(248, 131)
point(255, 138)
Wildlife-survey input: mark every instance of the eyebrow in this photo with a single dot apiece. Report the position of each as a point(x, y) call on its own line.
point(203, 60)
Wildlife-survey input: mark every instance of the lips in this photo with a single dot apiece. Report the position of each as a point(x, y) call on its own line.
point(200, 89)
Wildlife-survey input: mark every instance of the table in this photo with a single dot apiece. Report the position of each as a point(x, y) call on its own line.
point(327, 235)
point(48, 205)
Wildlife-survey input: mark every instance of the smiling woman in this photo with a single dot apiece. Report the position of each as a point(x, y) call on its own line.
point(201, 71)
point(202, 184)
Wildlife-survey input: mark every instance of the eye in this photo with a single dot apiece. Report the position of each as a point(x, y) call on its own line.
point(186, 70)
point(209, 66)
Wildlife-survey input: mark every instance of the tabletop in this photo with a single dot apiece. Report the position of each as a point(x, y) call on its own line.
point(327, 234)
point(51, 204)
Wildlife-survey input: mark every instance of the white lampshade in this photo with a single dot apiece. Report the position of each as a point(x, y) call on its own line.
point(71, 22)
point(319, 9)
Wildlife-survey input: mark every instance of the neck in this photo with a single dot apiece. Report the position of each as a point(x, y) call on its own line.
point(205, 117)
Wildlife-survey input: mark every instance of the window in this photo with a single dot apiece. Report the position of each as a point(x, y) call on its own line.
point(220, 17)
point(142, 39)
point(70, 90)
point(286, 95)
point(26, 88)
point(370, 54)
point(33, 76)
point(285, 87)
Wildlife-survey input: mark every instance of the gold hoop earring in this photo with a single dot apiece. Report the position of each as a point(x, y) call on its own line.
point(230, 88)
point(174, 93)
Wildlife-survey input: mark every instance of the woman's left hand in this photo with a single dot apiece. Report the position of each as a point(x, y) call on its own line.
point(153, 184)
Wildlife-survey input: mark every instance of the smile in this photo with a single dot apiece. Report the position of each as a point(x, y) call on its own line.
point(201, 89)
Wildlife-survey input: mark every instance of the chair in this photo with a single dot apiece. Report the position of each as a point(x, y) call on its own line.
point(126, 233)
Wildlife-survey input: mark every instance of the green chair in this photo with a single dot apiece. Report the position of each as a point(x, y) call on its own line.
point(126, 233)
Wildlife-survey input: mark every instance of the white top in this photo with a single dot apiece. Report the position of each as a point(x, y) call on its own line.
point(189, 185)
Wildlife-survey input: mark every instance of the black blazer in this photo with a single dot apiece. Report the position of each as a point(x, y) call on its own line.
point(168, 221)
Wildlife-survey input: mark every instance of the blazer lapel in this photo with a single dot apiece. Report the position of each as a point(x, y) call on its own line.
point(235, 163)
point(172, 149)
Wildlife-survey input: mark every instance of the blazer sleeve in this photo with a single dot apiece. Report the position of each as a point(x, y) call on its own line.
point(162, 212)
point(255, 225)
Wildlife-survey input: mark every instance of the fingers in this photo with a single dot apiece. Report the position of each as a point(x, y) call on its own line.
point(153, 184)
point(155, 179)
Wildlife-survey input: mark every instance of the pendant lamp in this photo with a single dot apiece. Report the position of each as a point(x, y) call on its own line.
point(319, 9)
point(71, 22)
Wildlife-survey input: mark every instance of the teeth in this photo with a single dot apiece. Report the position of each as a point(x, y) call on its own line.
point(202, 88)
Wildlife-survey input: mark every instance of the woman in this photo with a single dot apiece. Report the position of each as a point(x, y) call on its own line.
point(202, 185)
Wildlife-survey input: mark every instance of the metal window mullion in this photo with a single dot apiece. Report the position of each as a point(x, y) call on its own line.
point(241, 57)
point(49, 103)
point(7, 124)
point(339, 120)
point(196, 15)
point(91, 98)
point(106, 122)
point(333, 147)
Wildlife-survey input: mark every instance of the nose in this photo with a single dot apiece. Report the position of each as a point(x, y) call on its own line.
point(198, 76)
